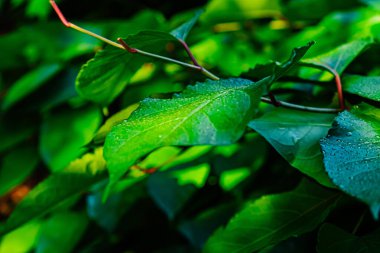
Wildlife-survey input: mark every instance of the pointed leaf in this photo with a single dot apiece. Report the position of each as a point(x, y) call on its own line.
point(274, 218)
point(182, 31)
point(351, 154)
point(364, 86)
point(295, 135)
point(214, 112)
point(340, 57)
point(57, 189)
point(277, 69)
point(103, 78)
point(332, 239)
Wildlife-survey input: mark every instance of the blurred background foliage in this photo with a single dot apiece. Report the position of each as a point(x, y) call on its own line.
point(45, 125)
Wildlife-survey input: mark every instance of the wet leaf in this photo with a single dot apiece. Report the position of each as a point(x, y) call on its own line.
point(351, 154)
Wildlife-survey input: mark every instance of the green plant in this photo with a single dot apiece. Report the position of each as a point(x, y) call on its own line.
point(155, 130)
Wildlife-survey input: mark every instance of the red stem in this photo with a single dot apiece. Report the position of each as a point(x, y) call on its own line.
point(189, 53)
point(60, 14)
point(126, 46)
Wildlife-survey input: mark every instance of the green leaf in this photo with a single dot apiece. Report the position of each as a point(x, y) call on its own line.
point(61, 232)
point(58, 188)
point(277, 69)
point(332, 239)
point(373, 3)
point(364, 86)
point(274, 218)
point(29, 83)
point(240, 10)
point(104, 77)
point(16, 166)
point(112, 121)
point(214, 112)
point(64, 134)
point(172, 189)
point(295, 135)
point(351, 154)
point(340, 57)
point(182, 31)
point(21, 240)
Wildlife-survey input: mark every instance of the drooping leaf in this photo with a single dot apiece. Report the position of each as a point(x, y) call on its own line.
point(104, 77)
point(63, 135)
point(214, 112)
point(351, 154)
point(182, 31)
point(340, 57)
point(16, 166)
point(61, 232)
point(58, 188)
point(332, 239)
point(29, 83)
point(21, 240)
point(274, 218)
point(364, 86)
point(295, 135)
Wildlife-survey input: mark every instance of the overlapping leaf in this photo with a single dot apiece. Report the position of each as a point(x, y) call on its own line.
point(103, 78)
point(295, 135)
point(212, 113)
point(273, 218)
point(351, 154)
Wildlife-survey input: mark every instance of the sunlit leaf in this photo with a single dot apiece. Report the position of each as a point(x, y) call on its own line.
point(214, 112)
point(21, 240)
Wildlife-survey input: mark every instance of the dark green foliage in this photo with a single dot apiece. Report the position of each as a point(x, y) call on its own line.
point(169, 147)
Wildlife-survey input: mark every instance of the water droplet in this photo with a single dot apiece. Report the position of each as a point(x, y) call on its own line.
point(349, 133)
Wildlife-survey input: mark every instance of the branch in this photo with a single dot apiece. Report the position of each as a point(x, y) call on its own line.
point(80, 29)
point(125, 46)
point(299, 107)
point(336, 76)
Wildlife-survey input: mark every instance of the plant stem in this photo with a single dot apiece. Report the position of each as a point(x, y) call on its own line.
point(184, 64)
point(300, 107)
point(125, 46)
point(336, 76)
